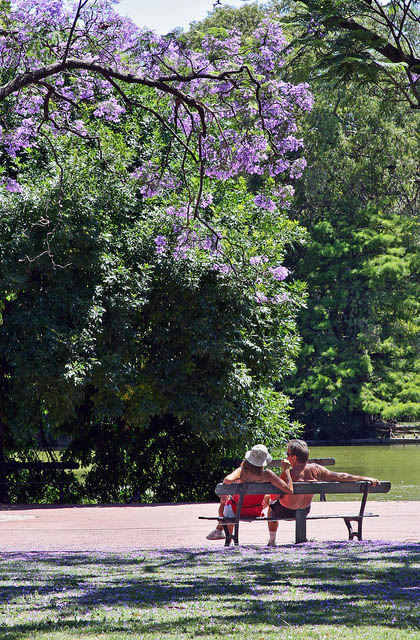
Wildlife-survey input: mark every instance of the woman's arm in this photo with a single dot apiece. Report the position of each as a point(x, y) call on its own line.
point(285, 485)
point(233, 476)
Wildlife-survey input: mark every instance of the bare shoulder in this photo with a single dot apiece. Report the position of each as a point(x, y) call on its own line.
point(234, 476)
point(314, 471)
point(268, 475)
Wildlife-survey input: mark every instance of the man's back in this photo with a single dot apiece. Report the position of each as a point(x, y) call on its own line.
point(311, 472)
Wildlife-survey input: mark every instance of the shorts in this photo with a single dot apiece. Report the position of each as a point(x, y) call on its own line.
point(278, 511)
point(228, 512)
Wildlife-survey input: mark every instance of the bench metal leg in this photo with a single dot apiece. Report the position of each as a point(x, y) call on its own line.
point(359, 519)
point(231, 537)
point(354, 534)
point(236, 534)
point(300, 530)
point(228, 536)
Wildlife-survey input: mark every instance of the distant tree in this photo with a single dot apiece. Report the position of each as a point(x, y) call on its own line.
point(359, 201)
point(373, 42)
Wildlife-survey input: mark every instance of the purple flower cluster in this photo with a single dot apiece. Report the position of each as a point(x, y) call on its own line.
point(225, 102)
point(223, 268)
point(161, 244)
point(265, 203)
point(258, 260)
point(11, 185)
point(109, 109)
point(279, 273)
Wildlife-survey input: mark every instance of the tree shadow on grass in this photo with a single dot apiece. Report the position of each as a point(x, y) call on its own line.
point(351, 584)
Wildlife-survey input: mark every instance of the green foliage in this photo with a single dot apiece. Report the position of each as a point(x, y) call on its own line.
point(225, 18)
point(369, 43)
point(360, 330)
point(141, 360)
point(43, 486)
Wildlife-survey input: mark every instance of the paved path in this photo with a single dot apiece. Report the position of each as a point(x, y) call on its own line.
point(131, 527)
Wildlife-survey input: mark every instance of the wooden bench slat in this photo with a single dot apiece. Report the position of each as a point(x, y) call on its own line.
point(266, 519)
point(299, 488)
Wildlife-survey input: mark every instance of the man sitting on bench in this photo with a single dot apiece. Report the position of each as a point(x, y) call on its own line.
point(284, 506)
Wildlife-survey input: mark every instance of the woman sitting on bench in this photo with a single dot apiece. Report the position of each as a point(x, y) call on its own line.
point(251, 470)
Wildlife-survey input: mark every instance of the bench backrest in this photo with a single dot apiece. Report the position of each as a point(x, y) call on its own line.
point(254, 488)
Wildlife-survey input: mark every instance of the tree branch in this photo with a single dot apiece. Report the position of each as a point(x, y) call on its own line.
point(29, 78)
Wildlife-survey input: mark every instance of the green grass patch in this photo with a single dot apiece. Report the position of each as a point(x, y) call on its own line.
point(317, 590)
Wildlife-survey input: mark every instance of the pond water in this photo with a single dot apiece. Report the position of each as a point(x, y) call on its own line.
point(399, 463)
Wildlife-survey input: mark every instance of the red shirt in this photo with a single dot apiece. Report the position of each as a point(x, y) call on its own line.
point(252, 506)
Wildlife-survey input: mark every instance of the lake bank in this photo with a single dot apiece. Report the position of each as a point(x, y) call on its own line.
point(398, 463)
point(363, 441)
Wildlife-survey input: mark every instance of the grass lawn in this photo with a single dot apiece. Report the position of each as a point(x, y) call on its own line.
point(368, 590)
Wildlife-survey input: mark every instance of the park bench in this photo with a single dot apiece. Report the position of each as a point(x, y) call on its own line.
point(325, 462)
point(299, 488)
point(392, 430)
point(61, 480)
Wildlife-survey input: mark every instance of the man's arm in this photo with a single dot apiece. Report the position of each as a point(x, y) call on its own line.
point(333, 476)
point(285, 482)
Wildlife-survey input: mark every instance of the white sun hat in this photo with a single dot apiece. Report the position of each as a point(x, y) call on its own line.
point(258, 456)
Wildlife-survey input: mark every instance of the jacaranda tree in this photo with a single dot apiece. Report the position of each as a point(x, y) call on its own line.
point(223, 107)
point(133, 345)
point(148, 259)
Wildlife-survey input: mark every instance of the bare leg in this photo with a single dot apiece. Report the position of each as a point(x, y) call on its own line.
point(220, 512)
point(272, 530)
point(218, 533)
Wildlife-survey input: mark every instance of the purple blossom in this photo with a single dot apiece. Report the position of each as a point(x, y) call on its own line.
point(258, 260)
point(207, 244)
point(180, 252)
point(109, 109)
point(181, 212)
point(279, 273)
point(11, 185)
point(223, 268)
point(260, 297)
point(79, 127)
point(265, 203)
point(161, 244)
point(206, 200)
point(240, 138)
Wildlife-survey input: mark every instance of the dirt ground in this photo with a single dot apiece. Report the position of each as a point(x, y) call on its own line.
point(132, 527)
